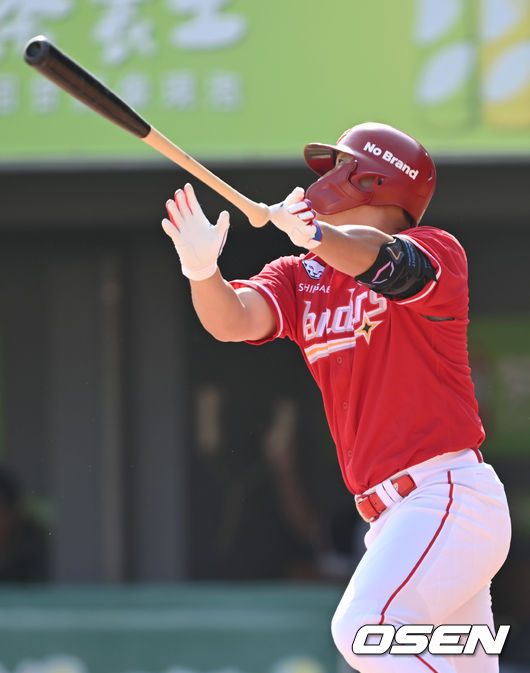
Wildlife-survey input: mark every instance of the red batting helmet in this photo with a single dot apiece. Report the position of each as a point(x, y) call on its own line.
point(403, 171)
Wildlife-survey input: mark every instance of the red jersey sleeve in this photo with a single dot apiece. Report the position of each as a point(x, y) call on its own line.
point(276, 284)
point(447, 296)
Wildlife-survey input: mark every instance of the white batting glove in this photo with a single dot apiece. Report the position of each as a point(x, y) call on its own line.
point(296, 218)
point(198, 242)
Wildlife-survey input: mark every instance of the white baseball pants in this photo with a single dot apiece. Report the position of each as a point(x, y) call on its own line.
point(430, 559)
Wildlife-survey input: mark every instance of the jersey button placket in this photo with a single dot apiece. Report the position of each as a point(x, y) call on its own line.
point(339, 360)
point(344, 405)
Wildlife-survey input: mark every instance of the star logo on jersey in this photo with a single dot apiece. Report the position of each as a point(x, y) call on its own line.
point(313, 268)
point(365, 330)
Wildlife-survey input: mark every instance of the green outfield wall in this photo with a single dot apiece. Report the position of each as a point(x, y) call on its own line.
point(236, 79)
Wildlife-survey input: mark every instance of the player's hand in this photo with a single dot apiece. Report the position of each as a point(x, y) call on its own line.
point(197, 241)
point(296, 218)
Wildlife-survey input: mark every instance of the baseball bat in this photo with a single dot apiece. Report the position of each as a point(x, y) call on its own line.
point(54, 64)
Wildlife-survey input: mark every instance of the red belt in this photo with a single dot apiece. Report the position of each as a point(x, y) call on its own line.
point(370, 507)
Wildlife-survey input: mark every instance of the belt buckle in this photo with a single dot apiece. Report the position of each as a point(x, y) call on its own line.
point(365, 516)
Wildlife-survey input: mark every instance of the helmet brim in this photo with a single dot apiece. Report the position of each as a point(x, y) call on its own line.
point(321, 158)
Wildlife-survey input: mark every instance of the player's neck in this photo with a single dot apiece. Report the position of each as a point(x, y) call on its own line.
point(388, 219)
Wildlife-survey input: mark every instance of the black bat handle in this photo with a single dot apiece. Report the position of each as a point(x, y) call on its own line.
point(51, 62)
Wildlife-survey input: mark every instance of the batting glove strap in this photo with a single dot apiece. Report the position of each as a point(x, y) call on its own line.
point(199, 274)
point(318, 234)
point(297, 219)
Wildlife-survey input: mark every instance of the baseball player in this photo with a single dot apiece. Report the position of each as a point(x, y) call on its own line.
point(379, 308)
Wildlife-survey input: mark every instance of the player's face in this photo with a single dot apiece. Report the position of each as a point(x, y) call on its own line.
point(352, 215)
point(345, 216)
point(344, 158)
point(385, 218)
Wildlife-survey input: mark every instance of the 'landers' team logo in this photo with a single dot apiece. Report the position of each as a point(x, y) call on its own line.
point(313, 268)
point(353, 321)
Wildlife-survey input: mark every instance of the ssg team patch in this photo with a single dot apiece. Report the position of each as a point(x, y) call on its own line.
point(313, 268)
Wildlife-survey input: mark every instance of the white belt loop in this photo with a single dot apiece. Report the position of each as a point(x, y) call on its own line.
point(382, 491)
point(391, 491)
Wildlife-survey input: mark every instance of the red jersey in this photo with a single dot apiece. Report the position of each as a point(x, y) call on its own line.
point(394, 374)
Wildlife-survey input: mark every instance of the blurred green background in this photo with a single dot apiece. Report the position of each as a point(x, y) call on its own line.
point(260, 80)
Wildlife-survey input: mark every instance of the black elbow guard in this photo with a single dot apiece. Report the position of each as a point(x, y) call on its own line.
point(400, 271)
